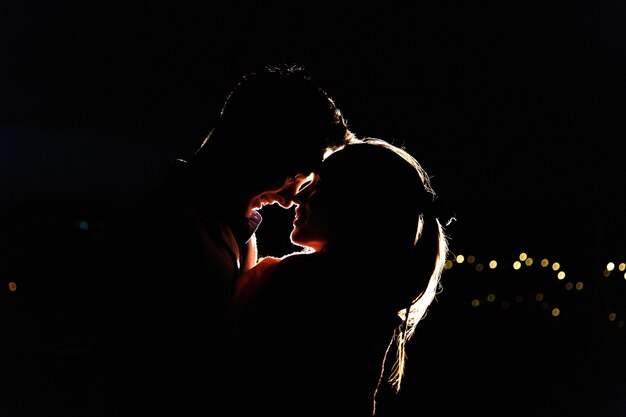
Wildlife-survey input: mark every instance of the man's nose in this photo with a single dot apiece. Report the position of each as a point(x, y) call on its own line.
point(286, 195)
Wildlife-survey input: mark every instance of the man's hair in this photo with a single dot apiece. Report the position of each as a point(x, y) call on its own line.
point(277, 109)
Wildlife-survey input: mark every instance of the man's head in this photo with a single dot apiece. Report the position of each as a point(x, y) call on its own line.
point(275, 125)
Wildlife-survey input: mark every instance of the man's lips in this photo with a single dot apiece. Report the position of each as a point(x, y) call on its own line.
point(265, 200)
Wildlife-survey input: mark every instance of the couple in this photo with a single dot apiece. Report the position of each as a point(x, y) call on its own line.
point(172, 263)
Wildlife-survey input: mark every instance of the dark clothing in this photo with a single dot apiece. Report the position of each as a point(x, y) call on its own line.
point(168, 275)
point(308, 340)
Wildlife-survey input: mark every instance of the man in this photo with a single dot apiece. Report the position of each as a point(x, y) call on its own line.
point(172, 262)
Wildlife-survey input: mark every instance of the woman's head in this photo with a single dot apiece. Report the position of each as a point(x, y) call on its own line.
point(373, 200)
point(369, 193)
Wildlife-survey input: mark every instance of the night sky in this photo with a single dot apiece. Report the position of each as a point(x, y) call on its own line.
point(516, 109)
point(518, 100)
point(505, 103)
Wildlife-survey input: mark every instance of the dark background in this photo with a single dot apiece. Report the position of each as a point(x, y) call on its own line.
point(515, 108)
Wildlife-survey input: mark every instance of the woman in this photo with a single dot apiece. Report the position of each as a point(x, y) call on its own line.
point(326, 329)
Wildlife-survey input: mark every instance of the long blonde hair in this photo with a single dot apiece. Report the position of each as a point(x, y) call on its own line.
point(407, 226)
point(430, 252)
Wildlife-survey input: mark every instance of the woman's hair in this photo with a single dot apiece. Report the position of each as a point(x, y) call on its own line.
point(400, 221)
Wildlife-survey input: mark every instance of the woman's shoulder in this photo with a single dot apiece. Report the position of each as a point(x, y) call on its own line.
point(299, 262)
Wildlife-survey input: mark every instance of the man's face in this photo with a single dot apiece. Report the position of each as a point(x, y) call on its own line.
point(283, 195)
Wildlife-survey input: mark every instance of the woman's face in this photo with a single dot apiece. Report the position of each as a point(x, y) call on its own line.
point(308, 228)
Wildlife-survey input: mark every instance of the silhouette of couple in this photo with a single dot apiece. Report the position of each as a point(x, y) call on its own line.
point(192, 321)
